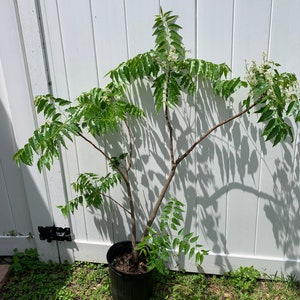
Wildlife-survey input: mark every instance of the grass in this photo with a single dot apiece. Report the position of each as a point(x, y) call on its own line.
point(35, 280)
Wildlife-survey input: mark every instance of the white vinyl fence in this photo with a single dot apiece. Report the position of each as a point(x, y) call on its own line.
point(242, 194)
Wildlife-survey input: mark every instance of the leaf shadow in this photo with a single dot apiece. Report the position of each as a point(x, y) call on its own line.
point(226, 162)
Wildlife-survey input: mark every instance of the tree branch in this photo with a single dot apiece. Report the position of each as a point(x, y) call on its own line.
point(169, 125)
point(128, 167)
point(166, 185)
point(104, 154)
point(183, 156)
point(116, 202)
point(125, 177)
point(158, 202)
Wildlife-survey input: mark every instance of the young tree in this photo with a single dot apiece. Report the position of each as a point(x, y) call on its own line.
point(274, 96)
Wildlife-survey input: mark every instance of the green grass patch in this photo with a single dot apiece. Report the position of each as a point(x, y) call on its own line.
point(34, 280)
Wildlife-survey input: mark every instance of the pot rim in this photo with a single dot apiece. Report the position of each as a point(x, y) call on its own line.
point(127, 245)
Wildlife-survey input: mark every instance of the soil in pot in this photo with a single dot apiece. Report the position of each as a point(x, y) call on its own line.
point(125, 263)
point(128, 281)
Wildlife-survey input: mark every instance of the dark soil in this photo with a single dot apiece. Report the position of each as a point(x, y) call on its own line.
point(125, 263)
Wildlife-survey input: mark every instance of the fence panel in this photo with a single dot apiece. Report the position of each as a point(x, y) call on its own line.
point(243, 194)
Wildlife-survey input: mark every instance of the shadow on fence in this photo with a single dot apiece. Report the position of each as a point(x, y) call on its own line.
point(233, 159)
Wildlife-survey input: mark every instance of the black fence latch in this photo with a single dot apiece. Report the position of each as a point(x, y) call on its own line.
point(52, 233)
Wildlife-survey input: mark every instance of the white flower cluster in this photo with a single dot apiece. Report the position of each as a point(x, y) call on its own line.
point(267, 74)
point(292, 92)
point(171, 60)
point(173, 56)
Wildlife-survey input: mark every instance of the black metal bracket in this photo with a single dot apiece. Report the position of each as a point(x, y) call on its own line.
point(52, 233)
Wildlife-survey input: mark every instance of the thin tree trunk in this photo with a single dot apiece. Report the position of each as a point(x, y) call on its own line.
point(167, 183)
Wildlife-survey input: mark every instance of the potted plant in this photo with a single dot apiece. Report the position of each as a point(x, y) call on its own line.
point(110, 110)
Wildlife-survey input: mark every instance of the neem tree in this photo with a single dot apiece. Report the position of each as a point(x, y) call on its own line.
point(108, 110)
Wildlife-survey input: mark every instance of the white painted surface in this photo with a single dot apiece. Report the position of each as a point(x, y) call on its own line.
point(242, 194)
point(22, 74)
point(14, 213)
point(9, 243)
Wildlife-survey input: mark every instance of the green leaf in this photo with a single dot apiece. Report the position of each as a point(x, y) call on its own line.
point(191, 253)
point(180, 232)
point(175, 242)
point(188, 236)
point(266, 115)
point(275, 131)
point(199, 258)
point(27, 155)
point(194, 239)
point(292, 108)
point(226, 88)
point(277, 92)
point(40, 164)
point(61, 102)
point(177, 215)
point(269, 126)
point(175, 221)
point(186, 248)
point(297, 119)
point(167, 38)
point(181, 247)
point(278, 138)
point(56, 117)
point(259, 91)
point(17, 156)
point(173, 226)
point(64, 210)
point(246, 102)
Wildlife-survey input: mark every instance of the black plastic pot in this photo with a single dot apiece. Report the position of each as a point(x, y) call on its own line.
point(126, 286)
